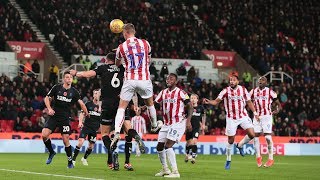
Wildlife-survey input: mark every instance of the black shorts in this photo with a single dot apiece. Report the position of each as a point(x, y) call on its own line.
point(193, 134)
point(88, 132)
point(63, 123)
point(108, 116)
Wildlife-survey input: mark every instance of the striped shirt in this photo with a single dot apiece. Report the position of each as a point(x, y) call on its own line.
point(139, 124)
point(262, 100)
point(135, 54)
point(172, 105)
point(235, 101)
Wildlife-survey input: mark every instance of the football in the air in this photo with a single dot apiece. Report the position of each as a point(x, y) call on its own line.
point(116, 26)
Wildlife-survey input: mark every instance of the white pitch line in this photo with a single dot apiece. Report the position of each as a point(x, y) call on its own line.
point(46, 174)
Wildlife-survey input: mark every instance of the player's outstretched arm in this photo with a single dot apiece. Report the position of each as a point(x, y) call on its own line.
point(83, 107)
point(81, 117)
point(277, 105)
point(47, 101)
point(212, 102)
point(251, 107)
point(85, 74)
point(189, 107)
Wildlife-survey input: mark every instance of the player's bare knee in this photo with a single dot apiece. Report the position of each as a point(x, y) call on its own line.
point(45, 133)
point(149, 101)
point(65, 138)
point(91, 145)
point(230, 139)
point(160, 147)
point(80, 142)
point(169, 144)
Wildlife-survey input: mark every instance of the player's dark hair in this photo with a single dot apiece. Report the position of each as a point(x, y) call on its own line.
point(234, 74)
point(66, 72)
point(111, 56)
point(173, 74)
point(96, 90)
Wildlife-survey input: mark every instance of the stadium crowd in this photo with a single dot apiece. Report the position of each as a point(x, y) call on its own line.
point(266, 42)
point(22, 104)
point(12, 28)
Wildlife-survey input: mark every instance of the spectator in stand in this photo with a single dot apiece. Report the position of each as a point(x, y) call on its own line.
point(181, 70)
point(53, 70)
point(27, 67)
point(35, 66)
point(153, 71)
point(191, 74)
point(164, 71)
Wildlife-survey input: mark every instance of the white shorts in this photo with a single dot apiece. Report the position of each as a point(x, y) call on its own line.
point(232, 125)
point(173, 132)
point(143, 87)
point(263, 125)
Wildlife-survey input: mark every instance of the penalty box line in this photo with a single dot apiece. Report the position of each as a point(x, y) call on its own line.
point(46, 174)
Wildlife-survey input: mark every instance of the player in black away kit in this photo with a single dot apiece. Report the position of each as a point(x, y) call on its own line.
point(111, 82)
point(59, 101)
point(197, 121)
point(89, 128)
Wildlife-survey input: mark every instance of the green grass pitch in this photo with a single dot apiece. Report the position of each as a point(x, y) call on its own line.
point(32, 166)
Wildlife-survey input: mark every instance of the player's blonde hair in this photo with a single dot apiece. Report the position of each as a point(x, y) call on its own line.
point(196, 95)
point(129, 28)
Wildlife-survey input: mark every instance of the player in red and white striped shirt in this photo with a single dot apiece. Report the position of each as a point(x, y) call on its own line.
point(263, 98)
point(135, 55)
point(235, 99)
point(138, 123)
point(174, 100)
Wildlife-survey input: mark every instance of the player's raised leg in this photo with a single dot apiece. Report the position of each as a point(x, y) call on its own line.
point(172, 159)
point(247, 125)
point(77, 149)
point(120, 116)
point(270, 161)
point(65, 138)
point(257, 149)
point(47, 142)
point(163, 159)
point(92, 141)
point(105, 133)
point(228, 153)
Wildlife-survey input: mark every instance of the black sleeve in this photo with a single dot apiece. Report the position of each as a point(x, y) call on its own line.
point(186, 101)
point(53, 91)
point(76, 96)
point(100, 69)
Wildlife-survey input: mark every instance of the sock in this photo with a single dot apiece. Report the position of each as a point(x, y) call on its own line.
point(245, 140)
point(107, 141)
point(188, 148)
point(163, 158)
point(172, 159)
point(133, 133)
point(153, 115)
point(229, 147)
point(270, 146)
point(194, 151)
point(128, 148)
point(88, 152)
point(137, 148)
point(69, 153)
point(119, 120)
point(48, 145)
point(257, 146)
point(75, 153)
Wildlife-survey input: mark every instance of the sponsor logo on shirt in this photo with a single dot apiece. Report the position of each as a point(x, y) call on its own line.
point(62, 98)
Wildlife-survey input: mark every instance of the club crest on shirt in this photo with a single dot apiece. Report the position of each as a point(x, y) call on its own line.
point(65, 93)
